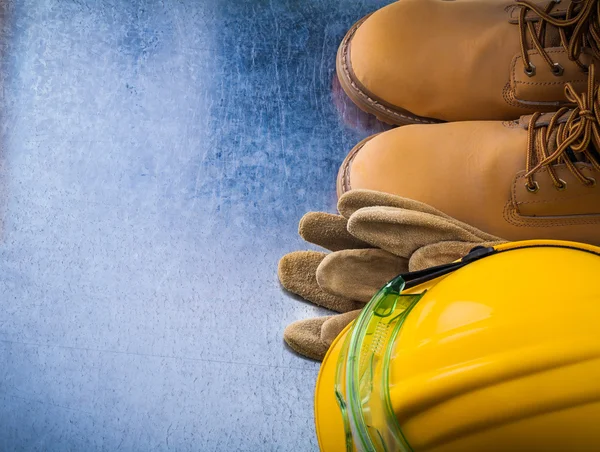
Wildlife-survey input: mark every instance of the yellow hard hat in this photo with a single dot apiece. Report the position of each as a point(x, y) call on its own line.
point(499, 351)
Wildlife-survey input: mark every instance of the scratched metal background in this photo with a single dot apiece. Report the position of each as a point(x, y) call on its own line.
point(155, 157)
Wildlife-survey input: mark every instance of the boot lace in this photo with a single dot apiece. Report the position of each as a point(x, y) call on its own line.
point(575, 140)
point(580, 28)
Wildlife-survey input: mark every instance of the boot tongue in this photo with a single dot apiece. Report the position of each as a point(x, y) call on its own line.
point(575, 157)
point(551, 34)
point(543, 121)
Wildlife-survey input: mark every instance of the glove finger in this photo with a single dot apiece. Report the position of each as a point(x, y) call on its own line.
point(297, 273)
point(304, 337)
point(357, 199)
point(442, 253)
point(313, 337)
point(402, 231)
point(358, 274)
point(354, 200)
point(334, 325)
point(328, 231)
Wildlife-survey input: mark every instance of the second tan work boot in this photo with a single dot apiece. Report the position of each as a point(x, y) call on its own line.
point(426, 61)
point(534, 178)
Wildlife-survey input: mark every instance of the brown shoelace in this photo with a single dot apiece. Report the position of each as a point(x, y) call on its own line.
point(575, 140)
point(578, 29)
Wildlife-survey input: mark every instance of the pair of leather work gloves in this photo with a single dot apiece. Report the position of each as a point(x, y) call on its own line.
point(375, 237)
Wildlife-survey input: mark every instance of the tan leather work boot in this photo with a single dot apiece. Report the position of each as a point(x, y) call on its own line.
point(531, 178)
point(426, 61)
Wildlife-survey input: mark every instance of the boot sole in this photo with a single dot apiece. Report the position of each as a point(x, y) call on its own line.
point(343, 177)
point(364, 99)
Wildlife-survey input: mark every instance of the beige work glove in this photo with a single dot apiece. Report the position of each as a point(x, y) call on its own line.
point(376, 237)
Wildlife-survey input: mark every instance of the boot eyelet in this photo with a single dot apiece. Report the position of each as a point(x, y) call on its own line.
point(562, 186)
point(530, 70)
point(533, 188)
point(557, 70)
point(591, 182)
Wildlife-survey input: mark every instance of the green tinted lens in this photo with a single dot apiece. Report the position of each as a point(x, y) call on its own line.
point(362, 385)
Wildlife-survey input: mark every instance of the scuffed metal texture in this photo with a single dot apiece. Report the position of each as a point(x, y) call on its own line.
point(155, 158)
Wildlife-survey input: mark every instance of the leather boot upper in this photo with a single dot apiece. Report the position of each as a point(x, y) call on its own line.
point(535, 178)
point(462, 59)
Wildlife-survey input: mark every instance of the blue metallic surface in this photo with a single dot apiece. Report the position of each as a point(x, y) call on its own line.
point(155, 158)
